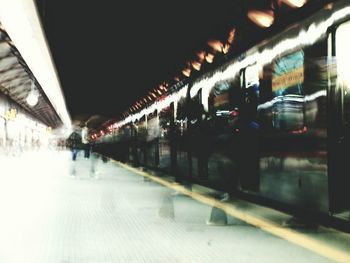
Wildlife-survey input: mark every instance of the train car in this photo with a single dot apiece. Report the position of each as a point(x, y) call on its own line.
point(276, 121)
point(272, 122)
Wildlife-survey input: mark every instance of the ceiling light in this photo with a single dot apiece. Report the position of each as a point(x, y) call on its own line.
point(226, 48)
point(215, 45)
point(201, 56)
point(294, 3)
point(186, 72)
point(231, 36)
point(196, 65)
point(209, 58)
point(33, 96)
point(261, 18)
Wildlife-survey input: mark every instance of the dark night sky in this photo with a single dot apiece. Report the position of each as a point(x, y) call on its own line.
point(110, 53)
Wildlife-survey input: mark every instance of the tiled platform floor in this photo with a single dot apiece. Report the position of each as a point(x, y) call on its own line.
point(48, 215)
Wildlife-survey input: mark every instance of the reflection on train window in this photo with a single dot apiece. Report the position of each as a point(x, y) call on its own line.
point(165, 117)
point(152, 126)
point(195, 108)
point(293, 91)
point(141, 127)
point(220, 96)
point(223, 102)
point(288, 74)
point(181, 119)
point(126, 129)
point(317, 67)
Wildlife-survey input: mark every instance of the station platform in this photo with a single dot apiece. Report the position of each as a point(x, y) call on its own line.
point(55, 210)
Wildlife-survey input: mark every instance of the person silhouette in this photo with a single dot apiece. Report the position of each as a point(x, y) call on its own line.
point(74, 141)
point(86, 142)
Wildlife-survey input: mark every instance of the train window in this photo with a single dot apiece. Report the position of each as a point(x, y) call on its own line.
point(181, 109)
point(126, 131)
point(219, 96)
point(293, 91)
point(288, 74)
point(165, 119)
point(142, 127)
point(152, 126)
point(195, 107)
point(250, 90)
point(224, 95)
point(224, 101)
point(316, 69)
point(181, 117)
point(343, 52)
point(151, 116)
point(343, 58)
point(264, 109)
point(265, 91)
point(252, 76)
point(123, 132)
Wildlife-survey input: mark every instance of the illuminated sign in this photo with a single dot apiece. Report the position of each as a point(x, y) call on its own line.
point(288, 72)
point(288, 79)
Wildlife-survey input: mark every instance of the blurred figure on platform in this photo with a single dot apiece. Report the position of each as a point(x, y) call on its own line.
point(74, 142)
point(86, 142)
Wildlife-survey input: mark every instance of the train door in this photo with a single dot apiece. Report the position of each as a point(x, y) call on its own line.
point(339, 126)
point(141, 140)
point(248, 149)
point(199, 140)
point(152, 139)
point(180, 137)
point(172, 138)
point(133, 140)
point(166, 149)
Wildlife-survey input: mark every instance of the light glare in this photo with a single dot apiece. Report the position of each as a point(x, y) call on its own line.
point(294, 3)
point(261, 18)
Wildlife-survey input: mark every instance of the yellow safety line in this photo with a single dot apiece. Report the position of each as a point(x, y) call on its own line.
point(266, 225)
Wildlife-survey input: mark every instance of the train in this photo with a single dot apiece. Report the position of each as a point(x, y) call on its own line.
point(271, 122)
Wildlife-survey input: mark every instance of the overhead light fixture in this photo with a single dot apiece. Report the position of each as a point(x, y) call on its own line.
point(163, 86)
point(33, 96)
point(226, 48)
point(216, 45)
point(201, 55)
point(196, 65)
point(294, 3)
point(186, 72)
point(231, 35)
point(209, 58)
point(263, 18)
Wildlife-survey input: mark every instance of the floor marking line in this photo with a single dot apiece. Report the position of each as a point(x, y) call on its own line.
point(264, 224)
